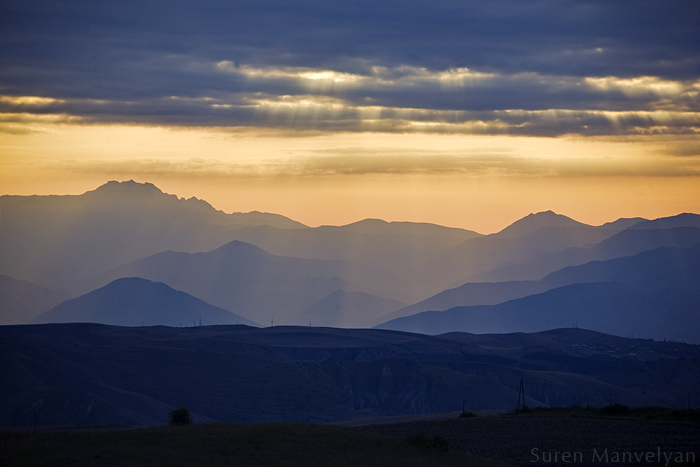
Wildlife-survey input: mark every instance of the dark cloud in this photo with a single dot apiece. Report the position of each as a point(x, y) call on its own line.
point(156, 62)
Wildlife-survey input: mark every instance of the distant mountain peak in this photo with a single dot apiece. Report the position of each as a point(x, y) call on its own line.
point(237, 247)
point(129, 185)
point(549, 214)
point(370, 221)
point(536, 221)
point(131, 188)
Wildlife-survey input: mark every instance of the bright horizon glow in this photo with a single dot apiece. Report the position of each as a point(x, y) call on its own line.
point(476, 182)
point(483, 206)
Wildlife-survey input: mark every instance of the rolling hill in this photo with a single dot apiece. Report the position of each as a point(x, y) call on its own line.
point(137, 302)
point(97, 375)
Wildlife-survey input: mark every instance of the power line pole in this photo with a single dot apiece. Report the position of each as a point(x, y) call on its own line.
point(521, 394)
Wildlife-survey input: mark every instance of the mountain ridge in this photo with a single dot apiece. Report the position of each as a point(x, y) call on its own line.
point(55, 241)
point(134, 301)
point(535, 221)
point(653, 294)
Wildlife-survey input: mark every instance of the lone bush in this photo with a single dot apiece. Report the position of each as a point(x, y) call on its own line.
point(615, 409)
point(422, 441)
point(180, 416)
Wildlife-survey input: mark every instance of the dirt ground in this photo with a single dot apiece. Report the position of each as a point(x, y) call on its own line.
point(540, 440)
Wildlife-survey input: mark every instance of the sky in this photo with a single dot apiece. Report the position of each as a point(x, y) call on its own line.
point(464, 113)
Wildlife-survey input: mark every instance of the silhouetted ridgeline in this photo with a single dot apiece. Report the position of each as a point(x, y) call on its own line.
point(90, 374)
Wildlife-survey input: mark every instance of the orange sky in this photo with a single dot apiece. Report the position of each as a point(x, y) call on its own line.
point(481, 183)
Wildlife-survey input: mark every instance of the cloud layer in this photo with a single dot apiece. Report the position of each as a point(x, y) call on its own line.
point(535, 68)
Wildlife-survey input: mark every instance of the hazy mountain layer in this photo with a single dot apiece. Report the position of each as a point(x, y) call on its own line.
point(681, 220)
point(57, 241)
point(472, 259)
point(474, 293)
point(353, 276)
point(653, 294)
point(248, 281)
point(62, 242)
point(626, 243)
point(503, 287)
point(22, 301)
point(402, 249)
point(350, 309)
point(88, 374)
point(136, 302)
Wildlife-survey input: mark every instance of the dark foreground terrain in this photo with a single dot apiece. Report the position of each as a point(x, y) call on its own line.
point(546, 439)
point(97, 375)
point(226, 445)
point(530, 439)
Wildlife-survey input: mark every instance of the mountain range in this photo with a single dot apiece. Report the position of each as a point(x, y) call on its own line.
point(653, 293)
point(627, 243)
point(60, 255)
point(56, 241)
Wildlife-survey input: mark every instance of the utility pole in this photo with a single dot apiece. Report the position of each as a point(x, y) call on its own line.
point(521, 394)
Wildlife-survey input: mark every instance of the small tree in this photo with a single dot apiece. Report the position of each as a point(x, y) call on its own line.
point(180, 416)
point(615, 409)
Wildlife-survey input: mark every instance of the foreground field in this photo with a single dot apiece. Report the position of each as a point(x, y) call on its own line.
point(229, 445)
point(570, 436)
point(613, 435)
